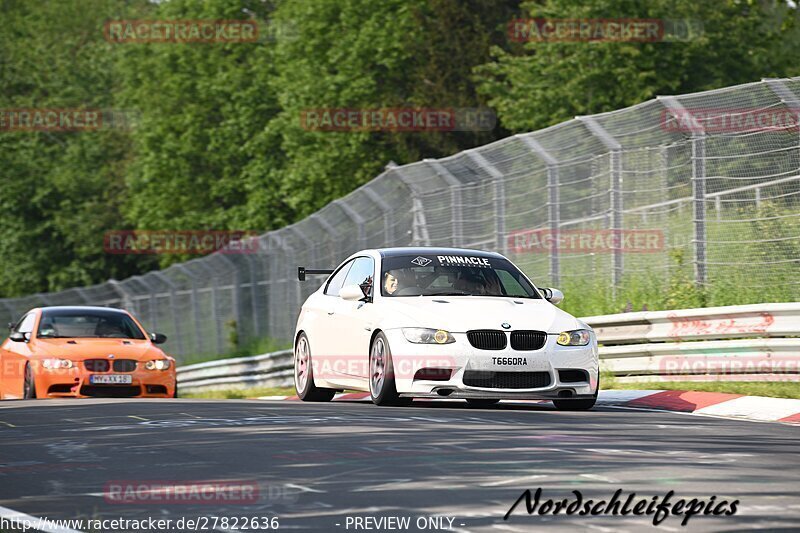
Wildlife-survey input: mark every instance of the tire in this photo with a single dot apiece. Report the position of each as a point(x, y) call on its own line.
point(481, 402)
point(29, 385)
point(578, 405)
point(175, 392)
point(304, 375)
point(382, 387)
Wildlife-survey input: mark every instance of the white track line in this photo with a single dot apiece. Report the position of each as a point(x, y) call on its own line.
point(31, 522)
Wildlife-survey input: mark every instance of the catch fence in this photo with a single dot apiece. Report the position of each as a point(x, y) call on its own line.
point(693, 198)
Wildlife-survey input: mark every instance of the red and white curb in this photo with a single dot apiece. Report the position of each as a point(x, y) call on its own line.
point(717, 404)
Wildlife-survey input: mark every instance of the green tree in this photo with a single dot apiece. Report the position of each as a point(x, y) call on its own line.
point(60, 190)
point(360, 54)
point(538, 84)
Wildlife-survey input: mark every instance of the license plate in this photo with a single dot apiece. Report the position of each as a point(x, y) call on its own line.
point(111, 379)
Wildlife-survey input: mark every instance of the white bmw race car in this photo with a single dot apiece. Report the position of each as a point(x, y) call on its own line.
point(402, 323)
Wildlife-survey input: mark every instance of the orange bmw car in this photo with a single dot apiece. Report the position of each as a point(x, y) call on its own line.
point(80, 352)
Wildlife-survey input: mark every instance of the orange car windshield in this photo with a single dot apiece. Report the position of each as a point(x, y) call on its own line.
point(68, 324)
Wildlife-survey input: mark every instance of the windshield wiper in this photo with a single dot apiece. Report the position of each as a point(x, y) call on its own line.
point(452, 293)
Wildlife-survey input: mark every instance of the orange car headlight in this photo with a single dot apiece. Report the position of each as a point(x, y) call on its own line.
point(158, 364)
point(53, 364)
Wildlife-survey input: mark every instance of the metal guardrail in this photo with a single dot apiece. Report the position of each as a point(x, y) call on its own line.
point(743, 343)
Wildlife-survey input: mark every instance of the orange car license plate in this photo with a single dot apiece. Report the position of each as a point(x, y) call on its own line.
point(111, 379)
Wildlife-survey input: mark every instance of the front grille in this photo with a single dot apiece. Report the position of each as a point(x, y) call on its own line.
point(111, 391)
point(528, 340)
point(96, 365)
point(487, 339)
point(124, 365)
point(506, 380)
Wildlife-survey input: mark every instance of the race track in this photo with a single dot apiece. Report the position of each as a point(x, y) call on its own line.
point(318, 464)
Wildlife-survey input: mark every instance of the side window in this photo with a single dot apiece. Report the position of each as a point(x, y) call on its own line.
point(26, 324)
point(361, 274)
point(336, 282)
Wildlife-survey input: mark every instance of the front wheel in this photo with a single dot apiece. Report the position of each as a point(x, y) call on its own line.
point(304, 375)
point(382, 387)
point(29, 387)
point(575, 405)
point(578, 405)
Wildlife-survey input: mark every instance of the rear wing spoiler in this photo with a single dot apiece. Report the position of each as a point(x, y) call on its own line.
point(302, 271)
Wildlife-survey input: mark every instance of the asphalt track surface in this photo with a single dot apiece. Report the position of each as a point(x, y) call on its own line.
point(318, 464)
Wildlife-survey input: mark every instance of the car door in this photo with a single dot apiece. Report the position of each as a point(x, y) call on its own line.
point(13, 356)
point(356, 319)
point(325, 339)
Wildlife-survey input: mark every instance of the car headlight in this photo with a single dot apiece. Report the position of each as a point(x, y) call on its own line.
point(53, 364)
point(578, 337)
point(158, 364)
point(427, 336)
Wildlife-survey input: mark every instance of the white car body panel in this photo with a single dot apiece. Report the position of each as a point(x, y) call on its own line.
point(340, 334)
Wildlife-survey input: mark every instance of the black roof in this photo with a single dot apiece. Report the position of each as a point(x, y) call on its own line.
point(430, 250)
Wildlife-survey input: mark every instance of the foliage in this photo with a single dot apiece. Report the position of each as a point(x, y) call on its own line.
point(538, 84)
point(217, 142)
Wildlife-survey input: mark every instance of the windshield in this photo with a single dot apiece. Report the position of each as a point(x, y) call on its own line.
point(77, 323)
point(449, 275)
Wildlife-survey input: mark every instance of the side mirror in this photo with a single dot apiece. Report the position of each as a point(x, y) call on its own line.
point(554, 296)
point(158, 338)
point(351, 293)
point(18, 336)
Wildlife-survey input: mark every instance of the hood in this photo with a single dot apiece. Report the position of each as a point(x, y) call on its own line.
point(461, 313)
point(80, 349)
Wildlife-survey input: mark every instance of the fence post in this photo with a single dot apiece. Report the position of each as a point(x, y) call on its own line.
point(172, 308)
point(553, 202)
point(193, 305)
point(388, 228)
point(419, 228)
point(215, 318)
point(356, 217)
point(785, 94)
point(698, 139)
point(151, 300)
point(125, 297)
point(615, 166)
point(82, 293)
point(254, 294)
point(498, 180)
point(235, 300)
point(456, 198)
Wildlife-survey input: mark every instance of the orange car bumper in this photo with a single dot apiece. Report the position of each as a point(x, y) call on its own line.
point(76, 383)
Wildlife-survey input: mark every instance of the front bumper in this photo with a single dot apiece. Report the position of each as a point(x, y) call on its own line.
point(75, 383)
point(460, 357)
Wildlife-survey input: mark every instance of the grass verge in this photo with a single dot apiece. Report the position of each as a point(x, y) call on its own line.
point(238, 394)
